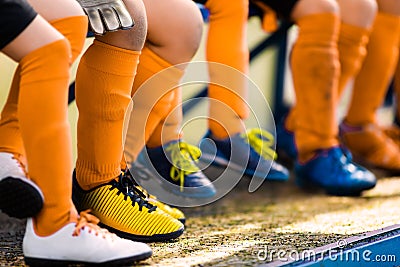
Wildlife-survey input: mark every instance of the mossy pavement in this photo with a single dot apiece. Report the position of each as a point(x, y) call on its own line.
point(233, 230)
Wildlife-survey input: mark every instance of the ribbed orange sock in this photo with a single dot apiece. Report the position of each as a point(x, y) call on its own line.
point(168, 129)
point(371, 83)
point(45, 130)
point(153, 94)
point(228, 87)
point(103, 93)
point(397, 89)
point(315, 68)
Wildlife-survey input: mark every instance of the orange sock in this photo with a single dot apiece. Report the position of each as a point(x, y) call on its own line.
point(153, 93)
point(315, 68)
point(74, 29)
point(228, 82)
point(103, 93)
point(290, 121)
point(397, 89)
point(352, 51)
point(10, 134)
point(371, 83)
point(45, 130)
point(169, 129)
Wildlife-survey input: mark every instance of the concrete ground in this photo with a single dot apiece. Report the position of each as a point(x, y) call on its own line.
point(236, 229)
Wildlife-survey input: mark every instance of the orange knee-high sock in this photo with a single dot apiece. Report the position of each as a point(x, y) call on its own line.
point(42, 113)
point(315, 67)
point(352, 51)
point(228, 81)
point(74, 29)
point(153, 93)
point(103, 92)
point(371, 83)
point(10, 133)
point(397, 89)
point(169, 128)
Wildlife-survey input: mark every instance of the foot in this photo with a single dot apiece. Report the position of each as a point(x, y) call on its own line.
point(175, 165)
point(173, 212)
point(19, 196)
point(124, 210)
point(251, 153)
point(393, 132)
point(332, 171)
point(285, 143)
point(81, 243)
point(371, 146)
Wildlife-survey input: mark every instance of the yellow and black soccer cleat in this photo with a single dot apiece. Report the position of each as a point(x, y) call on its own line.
point(124, 210)
point(174, 212)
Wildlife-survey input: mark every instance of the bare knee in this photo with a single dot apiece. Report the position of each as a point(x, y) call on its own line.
point(358, 12)
point(175, 38)
point(134, 38)
point(310, 7)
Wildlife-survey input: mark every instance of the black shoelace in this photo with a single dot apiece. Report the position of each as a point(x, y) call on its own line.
point(126, 186)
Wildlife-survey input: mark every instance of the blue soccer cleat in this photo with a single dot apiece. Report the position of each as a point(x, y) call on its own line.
point(251, 153)
point(285, 142)
point(331, 170)
point(174, 164)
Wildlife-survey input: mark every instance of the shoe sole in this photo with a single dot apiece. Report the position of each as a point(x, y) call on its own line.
point(20, 199)
point(142, 238)
point(37, 262)
point(334, 191)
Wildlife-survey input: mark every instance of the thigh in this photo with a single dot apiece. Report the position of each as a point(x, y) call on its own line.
point(57, 9)
point(36, 35)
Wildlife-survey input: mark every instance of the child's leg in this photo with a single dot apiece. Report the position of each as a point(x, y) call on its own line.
point(166, 57)
point(228, 57)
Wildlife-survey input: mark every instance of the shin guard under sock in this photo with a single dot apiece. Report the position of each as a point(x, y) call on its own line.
point(315, 67)
point(103, 93)
point(371, 83)
point(42, 113)
point(153, 94)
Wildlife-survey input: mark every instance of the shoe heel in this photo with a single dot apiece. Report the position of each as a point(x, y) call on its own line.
point(19, 199)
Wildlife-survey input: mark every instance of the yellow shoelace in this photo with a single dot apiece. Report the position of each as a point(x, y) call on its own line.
point(262, 142)
point(183, 155)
